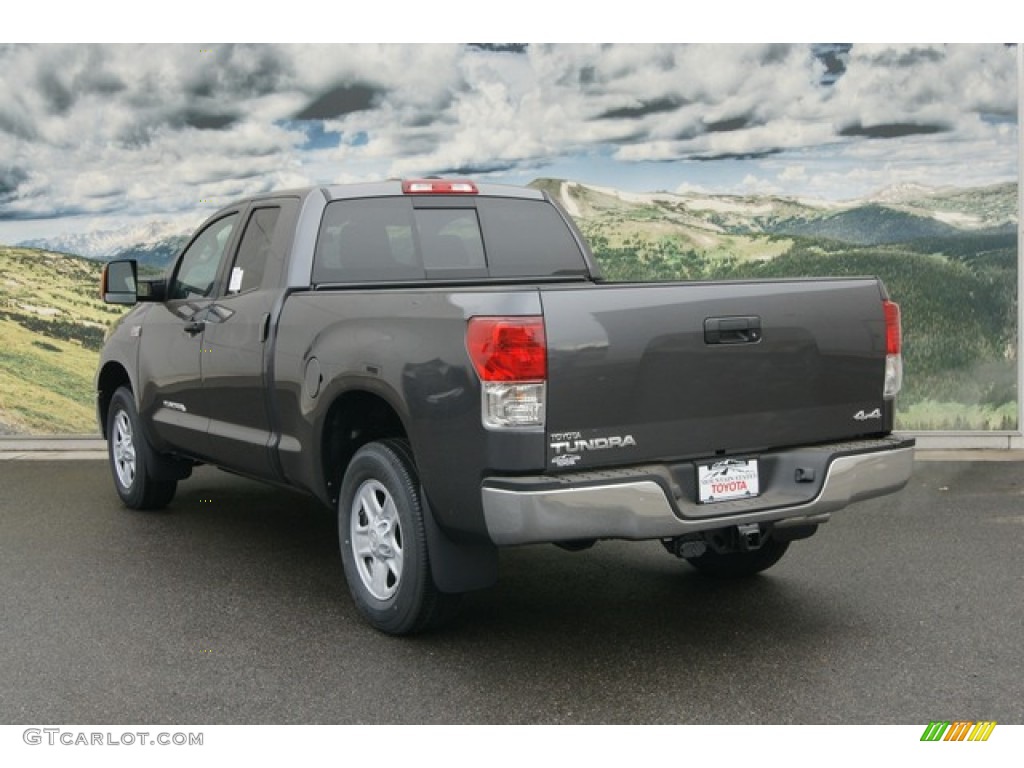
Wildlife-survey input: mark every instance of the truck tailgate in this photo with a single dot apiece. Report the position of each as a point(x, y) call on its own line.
point(657, 372)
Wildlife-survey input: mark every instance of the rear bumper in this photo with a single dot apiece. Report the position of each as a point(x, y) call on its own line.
point(650, 503)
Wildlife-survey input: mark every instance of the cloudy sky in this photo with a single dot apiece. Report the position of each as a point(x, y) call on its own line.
point(97, 136)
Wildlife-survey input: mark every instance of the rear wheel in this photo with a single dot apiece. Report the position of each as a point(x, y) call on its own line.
point(383, 542)
point(735, 565)
point(131, 457)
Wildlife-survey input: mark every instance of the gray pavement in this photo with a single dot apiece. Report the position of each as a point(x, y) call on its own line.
point(230, 608)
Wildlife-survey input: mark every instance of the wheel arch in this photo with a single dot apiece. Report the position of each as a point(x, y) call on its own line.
point(353, 419)
point(110, 378)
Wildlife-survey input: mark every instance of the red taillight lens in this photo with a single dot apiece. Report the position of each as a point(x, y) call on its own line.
point(893, 350)
point(508, 348)
point(893, 329)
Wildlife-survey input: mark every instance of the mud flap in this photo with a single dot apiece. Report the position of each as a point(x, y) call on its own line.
point(457, 566)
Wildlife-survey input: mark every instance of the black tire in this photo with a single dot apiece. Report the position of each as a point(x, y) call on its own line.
point(736, 565)
point(131, 457)
point(384, 544)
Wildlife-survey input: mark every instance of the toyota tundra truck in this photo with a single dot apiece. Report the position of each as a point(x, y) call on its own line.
point(440, 363)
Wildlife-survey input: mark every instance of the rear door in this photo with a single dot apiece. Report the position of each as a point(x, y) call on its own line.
point(657, 372)
point(233, 362)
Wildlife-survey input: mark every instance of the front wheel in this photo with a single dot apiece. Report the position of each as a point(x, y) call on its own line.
point(383, 541)
point(131, 456)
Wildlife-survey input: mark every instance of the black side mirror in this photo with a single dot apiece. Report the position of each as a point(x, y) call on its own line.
point(152, 289)
point(119, 284)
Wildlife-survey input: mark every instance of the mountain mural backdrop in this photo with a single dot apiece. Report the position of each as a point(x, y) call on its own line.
point(948, 256)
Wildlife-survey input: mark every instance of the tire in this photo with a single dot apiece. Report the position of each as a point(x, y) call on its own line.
point(383, 542)
point(737, 565)
point(132, 458)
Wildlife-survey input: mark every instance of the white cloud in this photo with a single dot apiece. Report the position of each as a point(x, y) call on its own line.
point(152, 129)
point(793, 173)
point(756, 185)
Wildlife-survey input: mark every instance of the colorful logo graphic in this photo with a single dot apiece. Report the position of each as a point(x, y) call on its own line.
point(959, 730)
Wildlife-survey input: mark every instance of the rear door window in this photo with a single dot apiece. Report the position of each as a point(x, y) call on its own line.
point(254, 251)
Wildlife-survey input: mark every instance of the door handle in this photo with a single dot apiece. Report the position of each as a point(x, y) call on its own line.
point(732, 330)
point(196, 326)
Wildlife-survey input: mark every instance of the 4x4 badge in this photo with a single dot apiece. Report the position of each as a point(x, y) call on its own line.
point(863, 416)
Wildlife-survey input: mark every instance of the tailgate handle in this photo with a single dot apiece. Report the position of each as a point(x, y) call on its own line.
point(732, 330)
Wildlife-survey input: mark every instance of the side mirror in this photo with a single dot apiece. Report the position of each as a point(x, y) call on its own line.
point(152, 289)
point(119, 284)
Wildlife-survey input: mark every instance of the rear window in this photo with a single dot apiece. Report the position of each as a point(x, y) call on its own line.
point(528, 237)
point(393, 239)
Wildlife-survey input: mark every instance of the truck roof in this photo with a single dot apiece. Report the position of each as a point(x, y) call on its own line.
point(391, 188)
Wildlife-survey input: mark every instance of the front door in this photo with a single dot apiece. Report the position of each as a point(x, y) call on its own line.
point(172, 401)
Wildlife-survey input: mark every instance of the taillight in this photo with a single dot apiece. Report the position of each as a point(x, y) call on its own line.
point(510, 356)
point(508, 348)
point(893, 349)
point(893, 329)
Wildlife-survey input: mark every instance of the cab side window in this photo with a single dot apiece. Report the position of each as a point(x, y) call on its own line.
point(197, 272)
point(254, 251)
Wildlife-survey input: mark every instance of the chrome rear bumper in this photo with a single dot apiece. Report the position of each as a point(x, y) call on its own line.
point(598, 508)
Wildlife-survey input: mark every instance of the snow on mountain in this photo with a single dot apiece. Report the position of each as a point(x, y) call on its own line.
point(102, 245)
point(948, 208)
point(902, 193)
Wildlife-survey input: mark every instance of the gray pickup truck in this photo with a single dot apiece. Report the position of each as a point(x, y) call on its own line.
point(440, 362)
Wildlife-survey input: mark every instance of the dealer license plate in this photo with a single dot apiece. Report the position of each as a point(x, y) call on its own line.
point(727, 480)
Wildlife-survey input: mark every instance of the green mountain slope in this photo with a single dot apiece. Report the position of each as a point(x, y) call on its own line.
point(52, 325)
point(896, 215)
point(871, 224)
